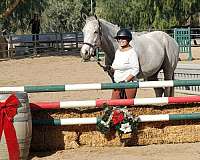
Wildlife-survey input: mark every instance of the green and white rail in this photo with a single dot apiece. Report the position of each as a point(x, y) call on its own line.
point(94, 120)
point(100, 86)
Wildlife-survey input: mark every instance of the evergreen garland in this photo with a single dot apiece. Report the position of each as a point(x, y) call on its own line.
point(117, 118)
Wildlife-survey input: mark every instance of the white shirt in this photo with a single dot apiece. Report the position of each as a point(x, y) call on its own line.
point(125, 64)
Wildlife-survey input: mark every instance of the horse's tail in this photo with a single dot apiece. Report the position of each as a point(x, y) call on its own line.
point(171, 50)
point(170, 61)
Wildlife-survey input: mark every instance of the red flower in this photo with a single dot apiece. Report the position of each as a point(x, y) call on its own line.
point(117, 117)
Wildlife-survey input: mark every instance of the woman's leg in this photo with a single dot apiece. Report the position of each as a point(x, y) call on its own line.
point(115, 94)
point(131, 93)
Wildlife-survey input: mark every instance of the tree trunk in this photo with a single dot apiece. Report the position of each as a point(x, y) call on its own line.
point(10, 9)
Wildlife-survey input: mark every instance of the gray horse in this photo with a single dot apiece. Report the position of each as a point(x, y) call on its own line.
point(156, 50)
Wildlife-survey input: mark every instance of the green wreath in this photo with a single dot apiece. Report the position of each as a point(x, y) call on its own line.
point(118, 118)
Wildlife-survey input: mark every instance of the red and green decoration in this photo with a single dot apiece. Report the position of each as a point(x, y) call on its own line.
point(8, 110)
point(117, 118)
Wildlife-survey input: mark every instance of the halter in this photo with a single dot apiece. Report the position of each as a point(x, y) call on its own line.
point(100, 35)
point(95, 47)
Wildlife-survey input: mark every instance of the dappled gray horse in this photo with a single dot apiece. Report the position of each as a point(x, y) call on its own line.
point(156, 50)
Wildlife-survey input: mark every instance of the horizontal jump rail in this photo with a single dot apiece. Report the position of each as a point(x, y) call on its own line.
point(94, 120)
point(100, 86)
point(113, 102)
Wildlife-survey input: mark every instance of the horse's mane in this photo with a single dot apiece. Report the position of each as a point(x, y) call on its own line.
point(112, 27)
point(109, 24)
point(90, 18)
point(104, 21)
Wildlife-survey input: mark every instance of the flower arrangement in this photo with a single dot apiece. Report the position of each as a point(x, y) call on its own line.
point(117, 118)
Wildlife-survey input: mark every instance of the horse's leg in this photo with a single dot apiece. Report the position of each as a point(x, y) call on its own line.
point(168, 75)
point(168, 91)
point(158, 91)
point(172, 88)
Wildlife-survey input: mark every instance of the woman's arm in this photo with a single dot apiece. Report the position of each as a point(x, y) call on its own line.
point(134, 63)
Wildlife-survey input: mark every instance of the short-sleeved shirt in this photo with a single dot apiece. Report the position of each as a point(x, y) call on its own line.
point(125, 64)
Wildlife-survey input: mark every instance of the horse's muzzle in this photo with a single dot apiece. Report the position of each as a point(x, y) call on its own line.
point(85, 55)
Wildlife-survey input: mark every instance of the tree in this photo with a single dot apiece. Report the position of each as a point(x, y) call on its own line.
point(68, 15)
point(171, 13)
point(11, 7)
point(65, 15)
point(17, 20)
point(158, 14)
point(114, 11)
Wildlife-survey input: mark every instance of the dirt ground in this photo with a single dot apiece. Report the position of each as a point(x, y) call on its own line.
point(69, 68)
point(152, 152)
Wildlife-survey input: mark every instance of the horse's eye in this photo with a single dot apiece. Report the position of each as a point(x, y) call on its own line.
point(95, 31)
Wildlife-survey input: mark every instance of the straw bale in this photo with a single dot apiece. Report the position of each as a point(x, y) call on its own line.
point(46, 138)
point(62, 137)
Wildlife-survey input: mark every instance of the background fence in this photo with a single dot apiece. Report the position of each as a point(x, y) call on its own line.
point(20, 45)
point(185, 72)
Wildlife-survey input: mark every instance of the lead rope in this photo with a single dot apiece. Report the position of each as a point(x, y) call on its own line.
point(122, 93)
point(108, 71)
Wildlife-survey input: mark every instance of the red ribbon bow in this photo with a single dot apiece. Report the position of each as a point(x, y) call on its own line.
point(8, 110)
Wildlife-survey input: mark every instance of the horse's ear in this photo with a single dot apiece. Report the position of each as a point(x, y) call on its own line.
point(95, 17)
point(84, 16)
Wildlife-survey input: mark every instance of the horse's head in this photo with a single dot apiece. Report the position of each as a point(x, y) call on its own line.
point(92, 37)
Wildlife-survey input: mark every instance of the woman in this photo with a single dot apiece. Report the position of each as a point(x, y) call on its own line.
point(125, 65)
point(35, 28)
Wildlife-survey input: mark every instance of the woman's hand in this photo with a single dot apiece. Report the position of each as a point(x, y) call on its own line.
point(107, 68)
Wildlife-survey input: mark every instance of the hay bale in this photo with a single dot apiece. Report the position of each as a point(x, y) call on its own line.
point(47, 138)
point(148, 133)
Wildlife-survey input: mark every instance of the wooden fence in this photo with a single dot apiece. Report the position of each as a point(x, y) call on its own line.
point(184, 72)
point(20, 45)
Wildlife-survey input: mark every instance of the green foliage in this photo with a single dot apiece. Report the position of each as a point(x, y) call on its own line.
point(67, 15)
point(64, 15)
point(20, 18)
point(115, 11)
point(157, 14)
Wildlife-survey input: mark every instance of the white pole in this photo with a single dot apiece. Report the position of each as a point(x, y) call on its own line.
point(91, 7)
point(74, 121)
